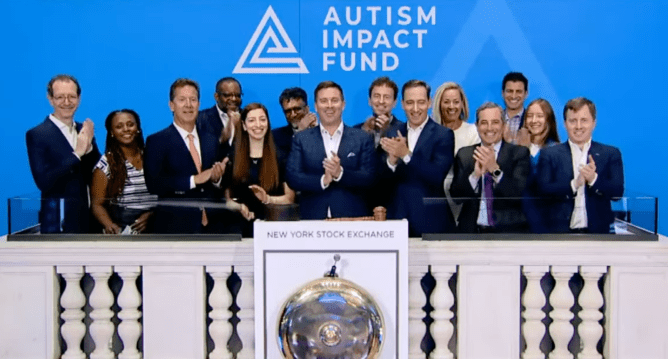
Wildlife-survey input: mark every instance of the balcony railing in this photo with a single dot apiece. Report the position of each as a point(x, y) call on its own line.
point(503, 296)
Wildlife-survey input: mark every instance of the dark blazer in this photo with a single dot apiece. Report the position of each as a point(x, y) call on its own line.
point(514, 161)
point(283, 142)
point(345, 198)
point(209, 121)
point(421, 178)
point(555, 172)
point(168, 167)
point(59, 174)
point(395, 125)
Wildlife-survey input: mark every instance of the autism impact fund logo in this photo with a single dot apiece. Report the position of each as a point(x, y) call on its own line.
point(266, 58)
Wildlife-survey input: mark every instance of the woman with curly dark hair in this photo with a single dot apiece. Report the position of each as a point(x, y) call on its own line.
point(120, 200)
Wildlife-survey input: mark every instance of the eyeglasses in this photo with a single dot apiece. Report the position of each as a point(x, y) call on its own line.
point(296, 109)
point(231, 94)
point(61, 98)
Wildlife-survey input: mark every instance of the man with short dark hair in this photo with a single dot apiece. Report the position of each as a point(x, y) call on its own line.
point(383, 94)
point(181, 165)
point(417, 159)
point(491, 176)
point(62, 155)
point(581, 175)
point(222, 119)
point(332, 164)
point(294, 102)
point(514, 90)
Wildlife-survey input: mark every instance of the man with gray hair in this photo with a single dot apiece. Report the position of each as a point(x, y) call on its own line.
point(491, 176)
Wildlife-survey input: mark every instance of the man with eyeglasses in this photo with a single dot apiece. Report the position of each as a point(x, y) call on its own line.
point(294, 102)
point(222, 119)
point(62, 155)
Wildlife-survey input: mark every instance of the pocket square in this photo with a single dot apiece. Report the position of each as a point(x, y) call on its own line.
point(351, 154)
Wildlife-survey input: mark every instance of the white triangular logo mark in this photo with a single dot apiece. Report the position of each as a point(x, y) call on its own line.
point(263, 64)
point(494, 19)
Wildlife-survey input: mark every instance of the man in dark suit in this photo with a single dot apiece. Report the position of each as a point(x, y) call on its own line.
point(581, 176)
point(62, 154)
point(514, 90)
point(383, 94)
point(294, 102)
point(491, 176)
point(181, 166)
point(332, 164)
point(222, 119)
point(417, 160)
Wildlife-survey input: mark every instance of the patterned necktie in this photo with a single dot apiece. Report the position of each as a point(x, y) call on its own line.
point(488, 193)
point(198, 164)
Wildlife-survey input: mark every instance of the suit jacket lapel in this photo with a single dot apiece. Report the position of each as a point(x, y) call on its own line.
point(57, 135)
point(427, 132)
point(345, 145)
point(182, 149)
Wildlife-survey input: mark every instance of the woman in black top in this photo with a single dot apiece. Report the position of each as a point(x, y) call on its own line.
point(256, 180)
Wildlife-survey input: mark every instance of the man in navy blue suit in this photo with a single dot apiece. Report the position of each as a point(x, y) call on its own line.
point(383, 94)
point(294, 102)
point(222, 119)
point(581, 176)
point(332, 164)
point(514, 90)
point(62, 154)
point(181, 166)
point(417, 159)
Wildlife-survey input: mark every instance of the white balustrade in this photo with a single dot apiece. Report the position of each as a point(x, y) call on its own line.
point(562, 301)
point(72, 300)
point(246, 314)
point(533, 301)
point(488, 297)
point(220, 300)
point(591, 301)
point(442, 300)
point(101, 299)
point(416, 300)
point(129, 300)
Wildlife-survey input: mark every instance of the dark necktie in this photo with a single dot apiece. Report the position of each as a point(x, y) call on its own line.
point(488, 193)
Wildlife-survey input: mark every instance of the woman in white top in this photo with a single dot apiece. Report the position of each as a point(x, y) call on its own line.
point(119, 195)
point(451, 109)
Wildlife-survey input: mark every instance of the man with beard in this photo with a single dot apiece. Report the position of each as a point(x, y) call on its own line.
point(294, 102)
point(62, 155)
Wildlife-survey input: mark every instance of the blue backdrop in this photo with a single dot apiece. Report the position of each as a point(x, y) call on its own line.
point(127, 53)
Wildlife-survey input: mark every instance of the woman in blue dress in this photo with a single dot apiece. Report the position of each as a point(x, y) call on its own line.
point(539, 131)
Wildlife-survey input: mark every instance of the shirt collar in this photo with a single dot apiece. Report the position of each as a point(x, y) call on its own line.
point(519, 114)
point(61, 125)
point(184, 134)
point(221, 113)
point(339, 130)
point(419, 128)
point(585, 148)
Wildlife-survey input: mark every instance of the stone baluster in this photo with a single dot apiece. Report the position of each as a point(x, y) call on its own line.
point(220, 300)
point(129, 299)
point(442, 300)
point(591, 301)
point(72, 300)
point(533, 301)
point(416, 300)
point(101, 299)
point(561, 300)
point(246, 314)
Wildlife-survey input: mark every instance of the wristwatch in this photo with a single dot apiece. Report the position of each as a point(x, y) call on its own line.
point(496, 173)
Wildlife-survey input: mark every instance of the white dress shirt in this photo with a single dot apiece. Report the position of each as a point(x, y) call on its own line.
point(331, 143)
point(225, 119)
point(184, 135)
point(70, 133)
point(579, 159)
point(412, 137)
point(482, 212)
